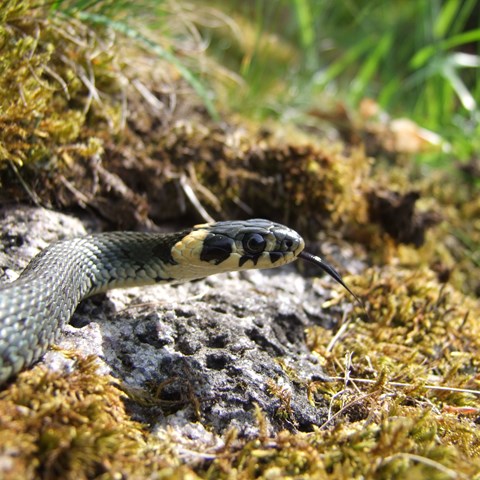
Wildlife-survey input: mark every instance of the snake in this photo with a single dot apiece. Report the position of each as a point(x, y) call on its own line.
point(35, 307)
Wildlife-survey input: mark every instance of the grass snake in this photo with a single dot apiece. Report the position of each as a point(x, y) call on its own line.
point(34, 308)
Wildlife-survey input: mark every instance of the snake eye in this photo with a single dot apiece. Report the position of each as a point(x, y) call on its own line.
point(254, 243)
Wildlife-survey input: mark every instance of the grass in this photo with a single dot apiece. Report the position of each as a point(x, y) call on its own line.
point(278, 59)
point(130, 19)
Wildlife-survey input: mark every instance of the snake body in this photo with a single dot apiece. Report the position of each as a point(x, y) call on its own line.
point(34, 308)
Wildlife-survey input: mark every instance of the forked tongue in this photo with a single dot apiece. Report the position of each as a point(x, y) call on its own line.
point(330, 270)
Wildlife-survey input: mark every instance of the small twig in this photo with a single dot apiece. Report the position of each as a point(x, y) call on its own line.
point(188, 190)
point(82, 199)
point(339, 333)
point(59, 79)
point(248, 210)
point(148, 96)
point(202, 189)
point(34, 197)
point(409, 385)
point(348, 405)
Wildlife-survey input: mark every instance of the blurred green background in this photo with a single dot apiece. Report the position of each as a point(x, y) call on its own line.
point(280, 58)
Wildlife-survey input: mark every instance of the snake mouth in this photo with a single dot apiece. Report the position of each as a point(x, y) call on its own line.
point(327, 268)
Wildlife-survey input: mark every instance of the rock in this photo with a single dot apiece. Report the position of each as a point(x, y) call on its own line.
point(25, 231)
point(207, 351)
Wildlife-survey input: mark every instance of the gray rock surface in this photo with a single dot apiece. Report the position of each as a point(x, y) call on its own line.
point(209, 351)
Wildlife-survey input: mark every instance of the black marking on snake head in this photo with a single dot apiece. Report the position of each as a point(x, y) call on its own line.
point(216, 248)
point(245, 258)
point(274, 256)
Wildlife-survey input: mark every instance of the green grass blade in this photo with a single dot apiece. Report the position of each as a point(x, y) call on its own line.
point(426, 53)
point(371, 66)
point(446, 18)
point(348, 59)
point(460, 89)
point(306, 30)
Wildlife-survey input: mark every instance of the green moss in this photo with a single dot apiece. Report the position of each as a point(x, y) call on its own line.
point(43, 65)
point(405, 445)
point(74, 426)
point(420, 335)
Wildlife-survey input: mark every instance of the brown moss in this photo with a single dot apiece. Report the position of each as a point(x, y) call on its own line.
point(245, 172)
point(413, 319)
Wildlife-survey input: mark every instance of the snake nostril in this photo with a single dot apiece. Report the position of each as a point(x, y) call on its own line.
point(289, 243)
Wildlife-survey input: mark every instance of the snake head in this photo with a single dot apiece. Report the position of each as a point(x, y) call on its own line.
point(237, 245)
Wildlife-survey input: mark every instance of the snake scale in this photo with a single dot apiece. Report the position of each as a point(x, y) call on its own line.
point(34, 308)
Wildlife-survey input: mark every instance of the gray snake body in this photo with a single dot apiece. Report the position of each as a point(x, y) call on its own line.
point(34, 308)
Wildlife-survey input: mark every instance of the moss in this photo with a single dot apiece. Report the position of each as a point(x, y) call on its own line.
point(420, 336)
point(428, 327)
point(42, 76)
point(290, 178)
point(403, 443)
point(74, 426)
